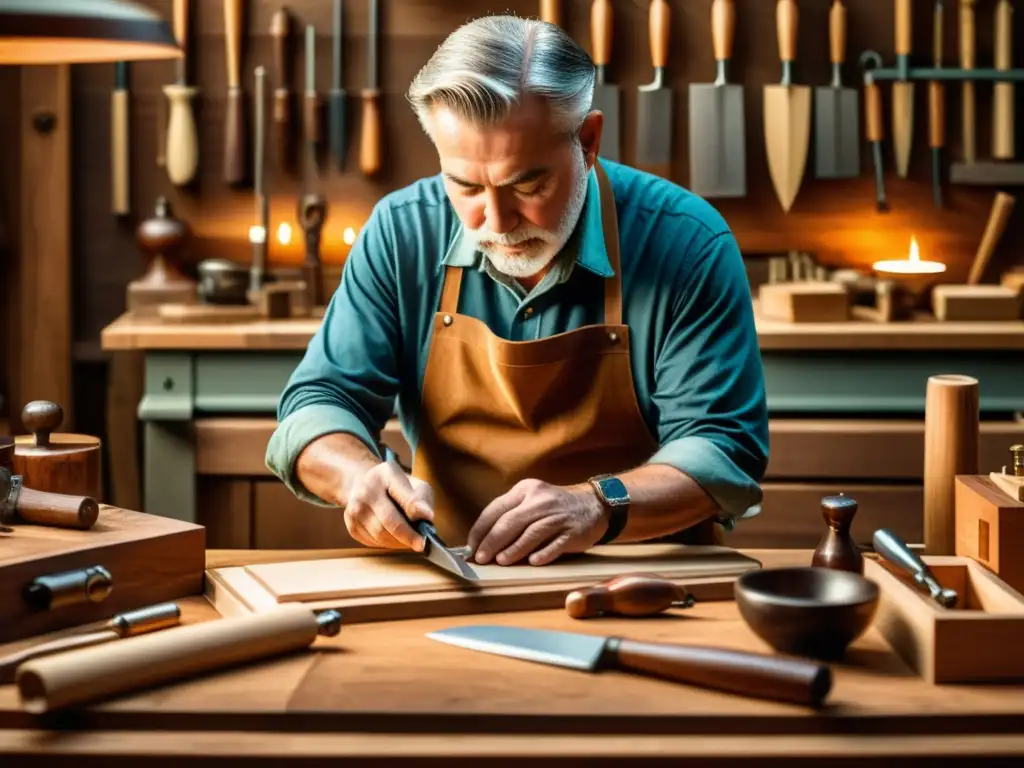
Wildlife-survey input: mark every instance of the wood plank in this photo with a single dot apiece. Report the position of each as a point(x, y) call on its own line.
point(125, 385)
point(43, 367)
point(225, 507)
point(283, 521)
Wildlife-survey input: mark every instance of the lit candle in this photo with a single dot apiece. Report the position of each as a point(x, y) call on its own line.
point(284, 233)
point(912, 265)
point(349, 236)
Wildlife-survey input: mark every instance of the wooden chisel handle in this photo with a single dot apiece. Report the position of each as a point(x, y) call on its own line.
point(633, 594)
point(723, 28)
point(967, 61)
point(182, 152)
point(837, 32)
point(1003, 103)
point(787, 23)
point(119, 151)
point(1002, 206)
point(904, 20)
point(873, 112)
point(369, 144)
point(311, 120)
point(180, 12)
point(551, 11)
point(967, 34)
point(57, 509)
point(232, 40)
point(658, 29)
point(748, 674)
point(280, 31)
point(936, 115)
point(234, 149)
point(601, 31)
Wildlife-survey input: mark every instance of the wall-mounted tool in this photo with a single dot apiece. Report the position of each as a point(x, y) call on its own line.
point(903, 91)
point(787, 113)
point(120, 202)
point(606, 95)
point(937, 108)
point(654, 100)
point(370, 140)
point(258, 268)
point(969, 136)
point(1003, 124)
point(339, 138)
point(718, 139)
point(836, 112)
point(182, 143)
point(281, 32)
point(234, 124)
point(873, 124)
point(551, 11)
point(312, 207)
point(311, 101)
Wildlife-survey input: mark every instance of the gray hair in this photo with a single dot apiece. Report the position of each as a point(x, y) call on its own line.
point(487, 66)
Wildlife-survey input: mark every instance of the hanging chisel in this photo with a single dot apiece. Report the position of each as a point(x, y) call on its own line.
point(903, 91)
point(119, 138)
point(338, 95)
point(654, 100)
point(370, 140)
point(1003, 124)
point(937, 109)
point(311, 114)
point(967, 41)
point(836, 113)
point(281, 32)
point(875, 133)
point(182, 142)
point(551, 11)
point(606, 95)
point(234, 125)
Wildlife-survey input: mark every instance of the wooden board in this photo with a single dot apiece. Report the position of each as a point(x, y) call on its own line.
point(969, 303)
point(408, 573)
point(150, 559)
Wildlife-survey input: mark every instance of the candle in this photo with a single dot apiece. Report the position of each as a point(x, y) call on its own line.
point(912, 265)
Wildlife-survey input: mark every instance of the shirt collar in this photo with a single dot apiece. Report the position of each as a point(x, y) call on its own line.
point(589, 245)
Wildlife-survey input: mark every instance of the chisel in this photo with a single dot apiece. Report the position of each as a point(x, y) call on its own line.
point(875, 134)
point(1003, 126)
point(370, 138)
point(234, 125)
point(182, 143)
point(338, 95)
point(837, 118)
point(903, 91)
point(281, 32)
point(119, 138)
point(937, 109)
point(654, 100)
point(968, 131)
point(311, 100)
point(551, 12)
point(606, 95)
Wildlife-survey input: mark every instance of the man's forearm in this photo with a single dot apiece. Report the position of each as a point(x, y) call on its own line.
point(663, 501)
point(329, 465)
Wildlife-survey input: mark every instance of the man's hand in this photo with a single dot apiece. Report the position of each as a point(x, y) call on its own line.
point(540, 521)
point(376, 501)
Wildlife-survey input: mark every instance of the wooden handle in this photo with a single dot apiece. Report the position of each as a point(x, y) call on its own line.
point(904, 19)
point(370, 138)
point(10, 663)
point(601, 31)
point(658, 28)
point(723, 28)
point(283, 124)
point(181, 23)
point(119, 152)
point(936, 115)
point(232, 40)
point(311, 117)
point(1003, 122)
point(41, 418)
point(57, 509)
point(550, 11)
point(1004, 35)
point(837, 32)
point(747, 674)
point(967, 34)
point(639, 594)
point(182, 157)
point(234, 139)
point(787, 23)
point(1002, 206)
point(280, 31)
point(873, 111)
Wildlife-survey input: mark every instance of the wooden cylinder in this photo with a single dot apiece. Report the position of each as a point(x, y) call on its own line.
point(950, 449)
point(57, 462)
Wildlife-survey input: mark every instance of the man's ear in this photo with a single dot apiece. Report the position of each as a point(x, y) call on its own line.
point(590, 136)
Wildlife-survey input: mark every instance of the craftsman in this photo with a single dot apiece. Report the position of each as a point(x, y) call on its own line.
point(571, 342)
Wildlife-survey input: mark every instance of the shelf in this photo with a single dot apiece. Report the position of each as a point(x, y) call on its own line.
point(989, 173)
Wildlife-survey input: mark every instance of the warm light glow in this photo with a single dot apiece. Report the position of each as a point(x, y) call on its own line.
point(284, 233)
point(257, 234)
point(349, 236)
point(915, 251)
point(912, 265)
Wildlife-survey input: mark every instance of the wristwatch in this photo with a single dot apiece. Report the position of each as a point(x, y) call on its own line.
point(613, 494)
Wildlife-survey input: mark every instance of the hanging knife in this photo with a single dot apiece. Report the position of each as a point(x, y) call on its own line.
point(281, 32)
point(119, 138)
point(312, 205)
point(369, 146)
point(937, 109)
point(234, 125)
point(338, 94)
point(903, 91)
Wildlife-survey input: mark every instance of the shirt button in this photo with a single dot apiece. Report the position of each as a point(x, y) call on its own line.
point(528, 312)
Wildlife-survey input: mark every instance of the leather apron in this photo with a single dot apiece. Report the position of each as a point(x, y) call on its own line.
point(560, 409)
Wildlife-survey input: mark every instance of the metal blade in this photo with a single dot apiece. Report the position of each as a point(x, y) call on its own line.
point(837, 133)
point(718, 146)
point(337, 35)
point(606, 100)
point(439, 554)
point(561, 649)
point(654, 130)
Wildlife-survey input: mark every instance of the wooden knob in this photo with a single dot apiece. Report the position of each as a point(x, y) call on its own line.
point(41, 417)
point(638, 594)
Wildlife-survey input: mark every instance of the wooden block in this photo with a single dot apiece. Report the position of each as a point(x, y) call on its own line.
point(144, 298)
point(150, 559)
point(275, 301)
point(1013, 279)
point(805, 302)
point(978, 640)
point(208, 313)
point(990, 527)
point(987, 303)
point(1009, 484)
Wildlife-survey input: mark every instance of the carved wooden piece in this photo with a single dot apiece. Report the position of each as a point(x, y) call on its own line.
point(632, 594)
point(162, 238)
point(57, 462)
point(837, 548)
point(990, 527)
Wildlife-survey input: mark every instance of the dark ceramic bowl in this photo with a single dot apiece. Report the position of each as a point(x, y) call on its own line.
point(815, 612)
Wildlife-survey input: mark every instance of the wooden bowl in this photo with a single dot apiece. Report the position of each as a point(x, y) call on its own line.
point(814, 612)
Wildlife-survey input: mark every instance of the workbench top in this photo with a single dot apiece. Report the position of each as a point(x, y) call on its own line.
point(383, 691)
point(128, 333)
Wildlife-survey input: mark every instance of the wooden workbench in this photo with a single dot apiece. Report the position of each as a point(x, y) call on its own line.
point(846, 402)
point(384, 691)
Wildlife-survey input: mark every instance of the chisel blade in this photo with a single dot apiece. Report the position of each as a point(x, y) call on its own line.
point(902, 125)
point(654, 131)
point(606, 100)
point(837, 133)
point(787, 120)
point(718, 157)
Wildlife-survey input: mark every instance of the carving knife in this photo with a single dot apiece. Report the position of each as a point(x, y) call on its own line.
point(967, 49)
point(119, 140)
point(892, 548)
point(903, 91)
point(370, 140)
point(338, 95)
point(606, 95)
point(837, 122)
point(937, 108)
point(654, 100)
point(1002, 97)
point(748, 674)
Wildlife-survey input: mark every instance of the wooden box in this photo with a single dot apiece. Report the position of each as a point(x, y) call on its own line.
point(992, 303)
point(990, 527)
point(150, 560)
point(977, 641)
point(805, 302)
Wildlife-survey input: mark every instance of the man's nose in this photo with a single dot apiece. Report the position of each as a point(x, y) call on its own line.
point(500, 212)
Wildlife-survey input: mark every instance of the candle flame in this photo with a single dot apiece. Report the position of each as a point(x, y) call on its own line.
point(349, 236)
point(257, 234)
point(915, 252)
point(284, 233)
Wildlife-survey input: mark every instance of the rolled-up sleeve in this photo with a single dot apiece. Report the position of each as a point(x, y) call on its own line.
point(709, 383)
point(347, 380)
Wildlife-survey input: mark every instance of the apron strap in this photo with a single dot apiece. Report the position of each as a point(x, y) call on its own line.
point(450, 290)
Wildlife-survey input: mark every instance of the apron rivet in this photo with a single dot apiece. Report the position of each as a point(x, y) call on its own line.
point(447, 319)
point(613, 337)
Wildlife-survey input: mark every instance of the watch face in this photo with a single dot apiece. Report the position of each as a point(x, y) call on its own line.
point(614, 490)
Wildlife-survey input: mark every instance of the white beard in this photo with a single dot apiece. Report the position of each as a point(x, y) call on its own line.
point(546, 244)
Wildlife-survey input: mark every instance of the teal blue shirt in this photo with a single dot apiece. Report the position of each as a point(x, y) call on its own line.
point(695, 358)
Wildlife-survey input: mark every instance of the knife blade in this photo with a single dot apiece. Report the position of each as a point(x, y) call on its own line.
point(749, 674)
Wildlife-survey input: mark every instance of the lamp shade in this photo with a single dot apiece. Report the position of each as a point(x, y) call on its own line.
point(82, 31)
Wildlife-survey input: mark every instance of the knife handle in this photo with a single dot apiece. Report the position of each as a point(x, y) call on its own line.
point(57, 509)
point(787, 22)
point(281, 32)
point(1003, 128)
point(180, 13)
point(601, 31)
point(634, 594)
point(658, 29)
point(967, 34)
point(936, 114)
point(234, 138)
point(837, 32)
point(369, 144)
point(904, 19)
point(873, 112)
point(119, 151)
point(748, 674)
point(723, 28)
point(551, 12)
point(311, 118)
